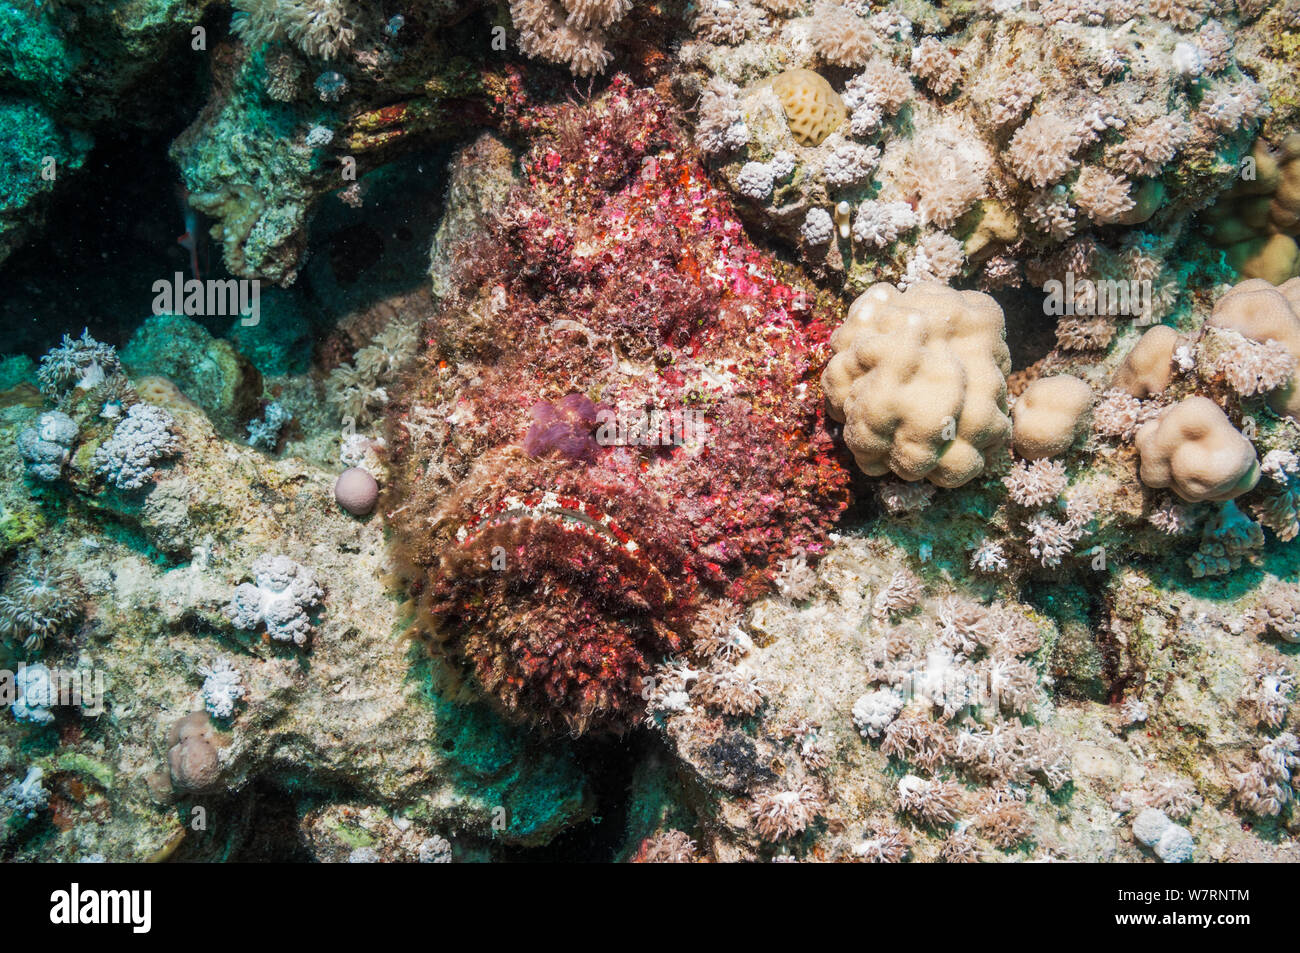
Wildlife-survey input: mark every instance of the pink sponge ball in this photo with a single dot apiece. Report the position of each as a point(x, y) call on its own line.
point(356, 491)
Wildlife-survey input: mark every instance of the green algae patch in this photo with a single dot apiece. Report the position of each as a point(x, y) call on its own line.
point(86, 767)
point(19, 525)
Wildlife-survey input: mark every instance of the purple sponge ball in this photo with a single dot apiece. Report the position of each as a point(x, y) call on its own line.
point(356, 491)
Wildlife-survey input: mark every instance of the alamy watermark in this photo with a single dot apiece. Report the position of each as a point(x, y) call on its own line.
point(209, 297)
point(654, 428)
point(38, 689)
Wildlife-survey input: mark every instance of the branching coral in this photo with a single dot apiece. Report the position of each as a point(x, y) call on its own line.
point(1270, 694)
point(1042, 150)
point(729, 689)
point(281, 596)
point(915, 738)
point(1002, 818)
point(1280, 508)
point(883, 842)
point(936, 65)
point(1036, 484)
point(905, 498)
point(989, 557)
point(1118, 414)
point(1148, 147)
point(1171, 519)
point(1264, 787)
point(943, 180)
point(718, 21)
point(1103, 195)
point(359, 389)
point(145, 437)
point(931, 802)
point(882, 85)
point(783, 814)
point(840, 36)
point(1011, 753)
point(1012, 97)
point(668, 847)
point(794, 578)
point(720, 126)
point(553, 32)
point(80, 363)
point(902, 593)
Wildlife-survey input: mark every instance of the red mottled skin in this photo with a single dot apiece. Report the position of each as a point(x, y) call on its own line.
point(618, 272)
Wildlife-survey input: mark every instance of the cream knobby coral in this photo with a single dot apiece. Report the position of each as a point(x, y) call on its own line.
point(1149, 366)
point(1193, 448)
point(1049, 415)
point(919, 381)
point(1261, 312)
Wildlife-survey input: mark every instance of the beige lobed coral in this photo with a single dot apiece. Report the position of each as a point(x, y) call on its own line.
point(1261, 312)
point(919, 381)
point(1195, 450)
point(1256, 221)
point(1050, 413)
point(1149, 366)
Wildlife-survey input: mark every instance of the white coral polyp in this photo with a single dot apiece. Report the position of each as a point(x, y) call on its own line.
point(280, 596)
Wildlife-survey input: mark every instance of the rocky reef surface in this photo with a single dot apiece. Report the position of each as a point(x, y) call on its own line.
point(729, 431)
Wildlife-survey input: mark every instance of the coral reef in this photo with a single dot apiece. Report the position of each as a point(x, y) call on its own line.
point(743, 430)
